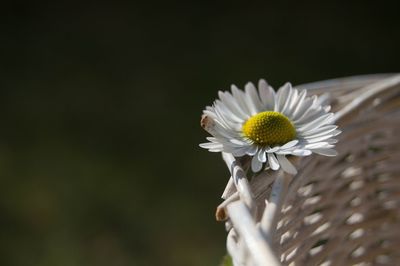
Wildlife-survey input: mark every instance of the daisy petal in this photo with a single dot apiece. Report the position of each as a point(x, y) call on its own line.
point(325, 152)
point(272, 150)
point(252, 150)
point(318, 145)
point(256, 165)
point(319, 139)
point(332, 141)
point(324, 99)
point(267, 95)
point(291, 103)
point(336, 132)
point(273, 162)
point(252, 99)
point(232, 105)
point(299, 103)
point(262, 156)
point(238, 142)
point(317, 122)
point(302, 109)
point(225, 115)
point(282, 95)
point(286, 165)
point(210, 145)
point(321, 130)
point(239, 152)
point(290, 144)
point(309, 116)
point(239, 96)
point(300, 152)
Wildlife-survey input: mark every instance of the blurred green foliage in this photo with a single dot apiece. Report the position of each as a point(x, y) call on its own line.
point(227, 261)
point(100, 106)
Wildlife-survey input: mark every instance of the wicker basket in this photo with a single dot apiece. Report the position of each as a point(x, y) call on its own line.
point(342, 210)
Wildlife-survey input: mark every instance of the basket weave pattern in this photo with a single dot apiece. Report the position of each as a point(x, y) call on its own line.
point(342, 210)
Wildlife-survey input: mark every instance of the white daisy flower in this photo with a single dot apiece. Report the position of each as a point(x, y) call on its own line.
point(268, 126)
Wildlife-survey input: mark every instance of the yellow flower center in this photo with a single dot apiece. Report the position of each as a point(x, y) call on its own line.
point(269, 128)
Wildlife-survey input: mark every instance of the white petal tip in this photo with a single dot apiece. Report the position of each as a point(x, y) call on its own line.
point(325, 152)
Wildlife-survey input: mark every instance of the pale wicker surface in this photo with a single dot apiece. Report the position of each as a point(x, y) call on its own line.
point(342, 210)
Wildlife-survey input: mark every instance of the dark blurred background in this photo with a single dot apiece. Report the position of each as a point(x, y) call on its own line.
point(100, 106)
